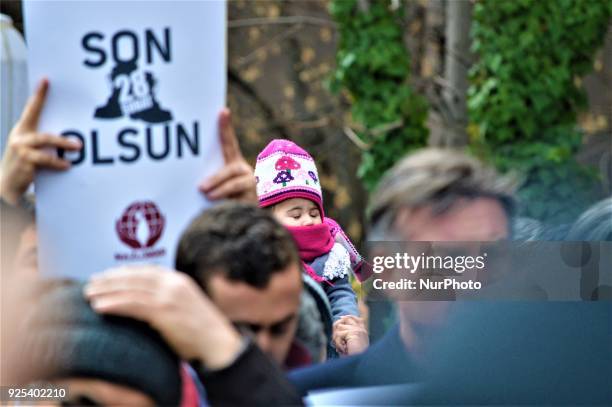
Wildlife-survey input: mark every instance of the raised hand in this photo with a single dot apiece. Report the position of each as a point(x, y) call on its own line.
point(26, 149)
point(236, 180)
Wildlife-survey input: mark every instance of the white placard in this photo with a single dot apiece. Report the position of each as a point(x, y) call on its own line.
point(141, 84)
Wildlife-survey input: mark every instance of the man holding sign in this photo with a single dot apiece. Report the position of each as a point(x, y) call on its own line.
point(146, 123)
point(216, 344)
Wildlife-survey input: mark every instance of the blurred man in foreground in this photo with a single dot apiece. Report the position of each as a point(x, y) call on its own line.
point(98, 360)
point(432, 196)
point(476, 352)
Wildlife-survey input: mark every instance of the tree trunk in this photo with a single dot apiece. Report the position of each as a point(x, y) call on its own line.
point(452, 114)
point(456, 64)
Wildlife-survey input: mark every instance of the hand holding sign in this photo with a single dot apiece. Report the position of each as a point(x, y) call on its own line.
point(25, 151)
point(143, 99)
point(236, 179)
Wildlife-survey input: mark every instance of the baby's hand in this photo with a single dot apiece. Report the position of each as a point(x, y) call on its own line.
point(350, 335)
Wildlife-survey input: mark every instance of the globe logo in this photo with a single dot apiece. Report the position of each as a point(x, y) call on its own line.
point(141, 225)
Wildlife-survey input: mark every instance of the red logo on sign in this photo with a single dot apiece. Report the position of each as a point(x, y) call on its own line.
point(140, 225)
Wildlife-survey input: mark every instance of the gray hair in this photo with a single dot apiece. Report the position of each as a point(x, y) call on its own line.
point(438, 178)
point(595, 224)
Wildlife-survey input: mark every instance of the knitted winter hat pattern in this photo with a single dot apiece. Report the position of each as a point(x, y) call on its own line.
point(284, 170)
point(72, 340)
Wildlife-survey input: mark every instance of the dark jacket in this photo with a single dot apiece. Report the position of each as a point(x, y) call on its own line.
point(385, 362)
point(536, 353)
point(252, 379)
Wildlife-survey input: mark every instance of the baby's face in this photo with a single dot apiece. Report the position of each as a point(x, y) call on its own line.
point(297, 212)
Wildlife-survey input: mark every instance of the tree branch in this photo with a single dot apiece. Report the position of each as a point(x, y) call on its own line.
point(355, 139)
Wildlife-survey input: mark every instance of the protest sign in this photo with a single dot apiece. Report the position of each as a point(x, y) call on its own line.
point(141, 85)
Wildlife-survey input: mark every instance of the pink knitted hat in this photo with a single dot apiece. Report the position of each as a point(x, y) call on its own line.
point(284, 170)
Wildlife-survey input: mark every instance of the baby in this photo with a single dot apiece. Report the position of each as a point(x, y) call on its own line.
point(288, 184)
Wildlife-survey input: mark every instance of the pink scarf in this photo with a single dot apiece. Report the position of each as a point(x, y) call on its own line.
point(316, 240)
point(312, 242)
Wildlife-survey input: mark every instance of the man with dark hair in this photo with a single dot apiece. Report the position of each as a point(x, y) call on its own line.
point(247, 264)
point(239, 241)
point(171, 302)
point(233, 370)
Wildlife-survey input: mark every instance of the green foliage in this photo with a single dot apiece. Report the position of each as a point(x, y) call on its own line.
point(524, 97)
point(373, 68)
